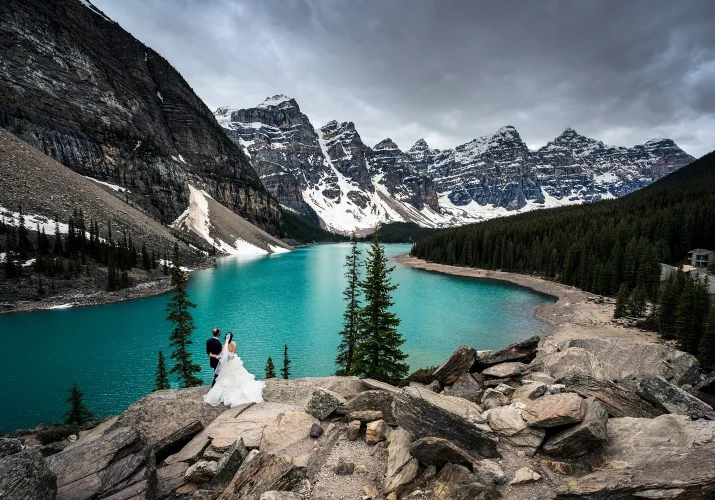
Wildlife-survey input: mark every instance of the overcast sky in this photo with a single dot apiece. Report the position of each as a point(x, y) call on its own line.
point(619, 71)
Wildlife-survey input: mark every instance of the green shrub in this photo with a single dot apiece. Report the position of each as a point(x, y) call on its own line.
point(56, 433)
point(423, 375)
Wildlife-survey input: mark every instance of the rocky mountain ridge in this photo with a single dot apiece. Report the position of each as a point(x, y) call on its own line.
point(330, 171)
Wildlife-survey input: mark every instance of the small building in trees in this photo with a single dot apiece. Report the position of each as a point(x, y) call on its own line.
point(700, 257)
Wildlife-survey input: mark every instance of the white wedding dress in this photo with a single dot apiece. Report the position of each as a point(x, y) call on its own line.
point(234, 385)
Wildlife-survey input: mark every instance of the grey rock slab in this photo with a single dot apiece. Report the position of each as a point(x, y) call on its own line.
point(465, 387)
point(529, 392)
point(508, 423)
point(438, 452)
point(299, 391)
point(287, 429)
point(121, 459)
point(25, 476)
point(371, 400)
point(169, 479)
point(10, 446)
point(247, 424)
point(493, 399)
point(505, 389)
point(323, 403)
point(460, 362)
point(457, 482)
point(201, 472)
point(583, 437)
point(402, 468)
point(673, 399)
point(555, 410)
point(318, 454)
point(365, 416)
point(489, 471)
point(505, 370)
point(542, 377)
point(524, 351)
point(371, 383)
point(229, 463)
point(263, 473)
point(424, 413)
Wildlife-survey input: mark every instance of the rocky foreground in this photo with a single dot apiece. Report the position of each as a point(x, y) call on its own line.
point(586, 418)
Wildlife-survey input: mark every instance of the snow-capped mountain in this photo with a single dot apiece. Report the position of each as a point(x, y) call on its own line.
point(331, 174)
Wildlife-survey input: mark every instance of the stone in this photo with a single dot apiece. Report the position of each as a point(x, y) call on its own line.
point(372, 400)
point(429, 474)
point(672, 399)
point(438, 452)
point(212, 453)
point(370, 491)
point(201, 472)
point(583, 437)
point(121, 462)
point(376, 431)
point(361, 469)
point(299, 391)
point(424, 413)
point(651, 458)
point(365, 416)
point(460, 362)
point(493, 399)
point(402, 468)
point(24, 475)
point(525, 475)
point(508, 422)
point(618, 400)
point(555, 410)
point(558, 467)
point(10, 446)
point(170, 478)
point(529, 392)
point(279, 495)
point(556, 389)
point(316, 431)
point(323, 403)
point(372, 384)
point(344, 468)
point(434, 386)
point(171, 418)
point(72, 438)
point(456, 482)
point(465, 387)
point(229, 463)
point(505, 389)
point(505, 370)
point(489, 471)
point(541, 377)
point(265, 472)
point(524, 351)
point(287, 429)
point(353, 430)
point(705, 389)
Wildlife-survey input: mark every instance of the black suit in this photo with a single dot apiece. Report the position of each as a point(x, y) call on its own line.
point(213, 346)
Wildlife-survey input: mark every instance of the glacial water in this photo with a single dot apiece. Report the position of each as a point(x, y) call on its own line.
point(293, 299)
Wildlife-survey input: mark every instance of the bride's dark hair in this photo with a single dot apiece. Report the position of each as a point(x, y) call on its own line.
point(229, 337)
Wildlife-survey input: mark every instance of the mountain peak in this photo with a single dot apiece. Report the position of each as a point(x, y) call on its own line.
point(277, 100)
point(420, 144)
point(385, 144)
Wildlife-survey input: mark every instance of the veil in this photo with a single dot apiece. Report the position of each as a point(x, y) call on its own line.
point(223, 357)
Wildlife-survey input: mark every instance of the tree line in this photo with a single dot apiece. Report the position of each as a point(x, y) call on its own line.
point(610, 248)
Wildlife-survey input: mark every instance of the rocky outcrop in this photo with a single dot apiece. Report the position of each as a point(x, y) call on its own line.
point(130, 118)
point(265, 472)
point(24, 475)
point(672, 399)
point(370, 401)
point(524, 352)
point(466, 387)
point(460, 362)
point(583, 437)
point(121, 463)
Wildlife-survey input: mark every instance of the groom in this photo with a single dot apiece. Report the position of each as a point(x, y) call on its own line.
point(213, 349)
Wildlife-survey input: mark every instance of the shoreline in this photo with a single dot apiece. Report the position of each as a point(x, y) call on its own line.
point(575, 313)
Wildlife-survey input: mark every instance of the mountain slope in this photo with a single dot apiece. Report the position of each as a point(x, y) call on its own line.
point(81, 89)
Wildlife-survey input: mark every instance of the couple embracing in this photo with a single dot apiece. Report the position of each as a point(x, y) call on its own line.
point(233, 385)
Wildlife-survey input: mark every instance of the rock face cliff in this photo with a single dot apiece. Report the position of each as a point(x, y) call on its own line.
point(84, 91)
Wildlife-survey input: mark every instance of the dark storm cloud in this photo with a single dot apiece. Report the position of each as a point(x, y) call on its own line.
point(448, 71)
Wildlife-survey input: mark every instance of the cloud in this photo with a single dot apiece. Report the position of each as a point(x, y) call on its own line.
point(449, 71)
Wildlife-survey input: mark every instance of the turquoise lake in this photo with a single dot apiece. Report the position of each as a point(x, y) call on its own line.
point(293, 298)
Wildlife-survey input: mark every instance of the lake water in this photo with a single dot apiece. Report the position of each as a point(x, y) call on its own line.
point(293, 298)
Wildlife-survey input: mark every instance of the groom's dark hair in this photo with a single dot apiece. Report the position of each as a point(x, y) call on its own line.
point(217, 332)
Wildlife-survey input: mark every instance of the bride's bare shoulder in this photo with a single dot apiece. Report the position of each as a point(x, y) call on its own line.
point(232, 346)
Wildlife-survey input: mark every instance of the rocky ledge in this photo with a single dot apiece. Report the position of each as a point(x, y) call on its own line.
point(539, 419)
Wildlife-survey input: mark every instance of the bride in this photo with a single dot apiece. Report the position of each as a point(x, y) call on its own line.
point(234, 385)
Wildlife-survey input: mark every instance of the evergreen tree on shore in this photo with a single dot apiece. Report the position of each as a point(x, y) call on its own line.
point(180, 316)
point(706, 349)
point(377, 352)
point(270, 368)
point(351, 294)
point(77, 413)
point(621, 302)
point(285, 371)
point(162, 378)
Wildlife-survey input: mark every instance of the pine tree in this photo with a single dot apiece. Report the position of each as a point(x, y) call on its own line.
point(57, 249)
point(162, 378)
point(637, 303)
point(622, 302)
point(351, 294)
point(77, 413)
point(667, 306)
point(180, 316)
point(24, 247)
point(285, 371)
point(40, 287)
point(146, 261)
point(377, 352)
point(270, 368)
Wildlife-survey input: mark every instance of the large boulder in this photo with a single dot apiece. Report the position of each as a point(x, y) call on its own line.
point(583, 437)
point(461, 361)
point(672, 399)
point(619, 362)
point(424, 413)
point(505, 370)
point(288, 429)
point(121, 463)
point(265, 472)
point(456, 482)
point(669, 456)
point(524, 351)
point(171, 418)
point(555, 410)
point(401, 467)
point(372, 400)
point(229, 463)
point(508, 423)
point(466, 387)
point(618, 400)
point(438, 452)
point(299, 391)
point(25, 476)
point(570, 361)
point(323, 403)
